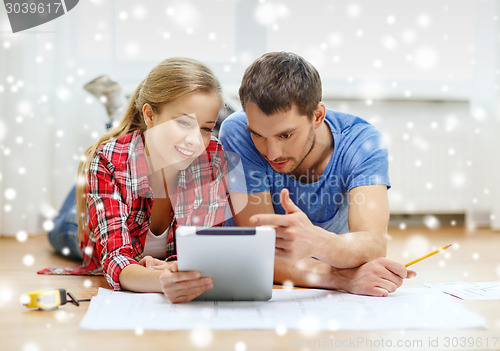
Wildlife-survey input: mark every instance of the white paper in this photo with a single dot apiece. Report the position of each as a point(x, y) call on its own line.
point(470, 290)
point(294, 309)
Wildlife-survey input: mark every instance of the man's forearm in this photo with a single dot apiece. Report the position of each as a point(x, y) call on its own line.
point(309, 273)
point(351, 249)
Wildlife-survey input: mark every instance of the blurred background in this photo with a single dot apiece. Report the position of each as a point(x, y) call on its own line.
point(425, 73)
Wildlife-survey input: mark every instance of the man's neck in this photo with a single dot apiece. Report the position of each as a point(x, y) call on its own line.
point(316, 162)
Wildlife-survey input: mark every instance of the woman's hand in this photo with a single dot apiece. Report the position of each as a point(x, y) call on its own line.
point(183, 286)
point(153, 263)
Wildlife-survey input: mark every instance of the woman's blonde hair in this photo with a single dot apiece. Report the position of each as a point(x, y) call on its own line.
point(168, 81)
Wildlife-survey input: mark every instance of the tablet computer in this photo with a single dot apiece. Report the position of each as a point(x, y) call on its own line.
point(240, 260)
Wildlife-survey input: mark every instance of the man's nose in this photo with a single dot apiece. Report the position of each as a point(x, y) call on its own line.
point(273, 150)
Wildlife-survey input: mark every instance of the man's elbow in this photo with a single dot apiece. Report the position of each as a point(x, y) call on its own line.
point(376, 248)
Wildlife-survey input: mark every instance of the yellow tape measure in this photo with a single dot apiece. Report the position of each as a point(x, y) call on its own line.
point(48, 299)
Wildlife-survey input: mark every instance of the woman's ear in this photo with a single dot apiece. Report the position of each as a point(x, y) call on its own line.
point(148, 115)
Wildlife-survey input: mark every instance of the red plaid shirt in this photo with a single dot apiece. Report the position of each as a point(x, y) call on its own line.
point(120, 199)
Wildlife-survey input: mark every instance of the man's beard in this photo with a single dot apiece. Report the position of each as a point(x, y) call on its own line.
point(311, 139)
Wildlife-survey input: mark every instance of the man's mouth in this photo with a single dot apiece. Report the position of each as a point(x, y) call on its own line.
point(279, 164)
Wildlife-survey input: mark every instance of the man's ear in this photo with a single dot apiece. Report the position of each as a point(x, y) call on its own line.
point(148, 115)
point(319, 114)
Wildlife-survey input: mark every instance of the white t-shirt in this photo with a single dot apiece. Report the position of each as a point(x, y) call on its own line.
point(156, 245)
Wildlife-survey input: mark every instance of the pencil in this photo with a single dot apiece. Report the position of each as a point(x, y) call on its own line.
point(428, 255)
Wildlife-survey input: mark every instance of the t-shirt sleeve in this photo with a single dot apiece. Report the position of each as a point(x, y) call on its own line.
point(367, 161)
point(247, 167)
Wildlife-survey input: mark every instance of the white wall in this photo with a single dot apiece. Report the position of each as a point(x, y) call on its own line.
point(415, 69)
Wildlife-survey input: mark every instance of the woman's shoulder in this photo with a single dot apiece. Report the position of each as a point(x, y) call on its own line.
point(120, 150)
point(214, 145)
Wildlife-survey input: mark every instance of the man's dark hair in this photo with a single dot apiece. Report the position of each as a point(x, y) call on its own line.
point(277, 80)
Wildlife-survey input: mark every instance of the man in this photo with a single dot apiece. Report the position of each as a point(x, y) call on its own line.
point(312, 173)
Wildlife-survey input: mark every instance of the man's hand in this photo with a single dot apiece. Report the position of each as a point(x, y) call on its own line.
point(295, 234)
point(378, 277)
point(183, 286)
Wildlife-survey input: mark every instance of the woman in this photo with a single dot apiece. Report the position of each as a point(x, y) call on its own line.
point(158, 169)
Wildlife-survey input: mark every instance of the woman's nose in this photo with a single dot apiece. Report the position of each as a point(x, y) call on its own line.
point(193, 138)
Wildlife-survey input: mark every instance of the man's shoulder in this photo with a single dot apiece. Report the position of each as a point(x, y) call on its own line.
point(347, 124)
point(236, 120)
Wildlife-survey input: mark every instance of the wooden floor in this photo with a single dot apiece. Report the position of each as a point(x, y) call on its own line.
point(473, 257)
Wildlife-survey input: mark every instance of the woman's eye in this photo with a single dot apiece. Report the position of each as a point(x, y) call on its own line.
point(183, 123)
point(206, 129)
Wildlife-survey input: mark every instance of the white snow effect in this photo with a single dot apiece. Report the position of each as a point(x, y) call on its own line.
point(309, 325)
point(139, 331)
point(201, 336)
point(424, 20)
point(458, 180)
point(31, 346)
point(408, 36)
point(65, 251)
point(139, 12)
point(417, 245)
point(63, 94)
point(354, 10)
point(335, 39)
point(22, 236)
point(48, 225)
point(10, 194)
point(479, 114)
point(3, 130)
point(281, 329)
point(5, 294)
point(431, 222)
point(475, 256)
point(240, 346)
point(315, 56)
point(184, 14)
point(426, 58)
point(391, 20)
point(25, 107)
point(389, 42)
point(28, 260)
point(87, 283)
point(123, 15)
point(377, 63)
point(288, 285)
point(333, 325)
point(132, 49)
point(268, 14)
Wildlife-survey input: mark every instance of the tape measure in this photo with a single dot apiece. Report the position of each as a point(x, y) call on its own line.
point(49, 299)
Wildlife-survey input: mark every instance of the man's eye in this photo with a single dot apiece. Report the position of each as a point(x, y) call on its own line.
point(286, 136)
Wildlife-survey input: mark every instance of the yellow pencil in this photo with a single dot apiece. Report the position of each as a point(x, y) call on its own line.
point(428, 255)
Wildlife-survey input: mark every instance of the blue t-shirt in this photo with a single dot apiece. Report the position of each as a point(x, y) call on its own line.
point(359, 157)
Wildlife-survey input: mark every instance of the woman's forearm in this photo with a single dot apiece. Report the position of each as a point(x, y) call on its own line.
point(138, 278)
